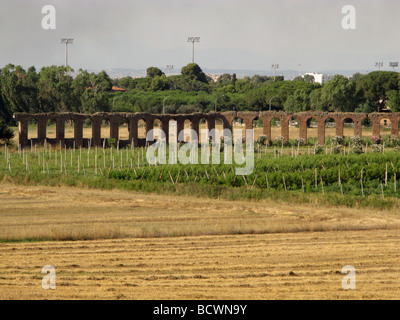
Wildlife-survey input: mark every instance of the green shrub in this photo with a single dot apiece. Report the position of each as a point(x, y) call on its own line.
point(6, 134)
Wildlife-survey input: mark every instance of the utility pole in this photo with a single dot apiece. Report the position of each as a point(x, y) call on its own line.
point(193, 40)
point(115, 98)
point(270, 100)
point(163, 110)
point(67, 42)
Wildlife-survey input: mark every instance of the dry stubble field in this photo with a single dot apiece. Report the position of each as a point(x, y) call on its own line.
point(159, 247)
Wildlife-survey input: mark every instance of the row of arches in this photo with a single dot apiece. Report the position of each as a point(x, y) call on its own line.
point(97, 130)
point(128, 128)
point(346, 128)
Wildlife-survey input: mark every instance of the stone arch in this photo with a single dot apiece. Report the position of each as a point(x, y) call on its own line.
point(258, 126)
point(32, 130)
point(141, 127)
point(158, 128)
point(41, 120)
point(80, 122)
point(312, 127)
point(186, 126)
point(330, 127)
point(53, 125)
point(385, 125)
point(348, 127)
point(87, 133)
point(276, 127)
point(219, 122)
point(238, 123)
point(105, 131)
point(294, 127)
point(172, 136)
point(123, 132)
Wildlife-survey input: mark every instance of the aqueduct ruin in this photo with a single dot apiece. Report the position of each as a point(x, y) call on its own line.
point(226, 118)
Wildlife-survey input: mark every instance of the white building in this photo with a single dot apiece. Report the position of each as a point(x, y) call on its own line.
point(320, 77)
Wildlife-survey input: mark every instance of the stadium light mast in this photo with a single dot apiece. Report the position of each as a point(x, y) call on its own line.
point(379, 65)
point(169, 68)
point(67, 41)
point(393, 65)
point(275, 66)
point(193, 40)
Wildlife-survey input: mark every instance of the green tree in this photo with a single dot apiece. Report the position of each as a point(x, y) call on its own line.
point(19, 89)
point(90, 89)
point(159, 83)
point(340, 95)
point(256, 98)
point(6, 134)
point(56, 93)
point(376, 85)
point(299, 101)
point(126, 83)
point(92, 102)
point(309, 78)
point(100, 82)
point(243, 85)
point(393, 100)
point(187, 84)
point(316, 100)
point(154, 72)
point(193, 71)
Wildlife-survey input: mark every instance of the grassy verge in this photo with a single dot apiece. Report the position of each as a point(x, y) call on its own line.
point(352, 180)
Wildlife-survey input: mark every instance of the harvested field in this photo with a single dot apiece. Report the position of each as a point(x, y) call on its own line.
point(159, 247)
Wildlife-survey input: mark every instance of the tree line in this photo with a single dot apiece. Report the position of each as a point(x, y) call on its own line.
point(57, 89)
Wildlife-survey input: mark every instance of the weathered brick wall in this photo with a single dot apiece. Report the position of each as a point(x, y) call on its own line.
point(227, 118)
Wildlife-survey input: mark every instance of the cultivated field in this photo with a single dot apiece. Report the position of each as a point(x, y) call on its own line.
point(142, 246)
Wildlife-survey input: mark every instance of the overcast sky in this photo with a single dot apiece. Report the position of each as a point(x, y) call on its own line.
point(251, 34)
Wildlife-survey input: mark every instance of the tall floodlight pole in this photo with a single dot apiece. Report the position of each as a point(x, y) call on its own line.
point(275, 66)
point(393, 65)
point(379, 65)
point(193, 40)
point(169, 68)
point(67, 42)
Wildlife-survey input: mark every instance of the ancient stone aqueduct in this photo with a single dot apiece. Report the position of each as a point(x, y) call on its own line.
point(227, 118)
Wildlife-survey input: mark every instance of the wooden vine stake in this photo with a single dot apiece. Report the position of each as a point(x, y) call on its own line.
point(386, 174)
point(284, 182)
point(361, 181)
